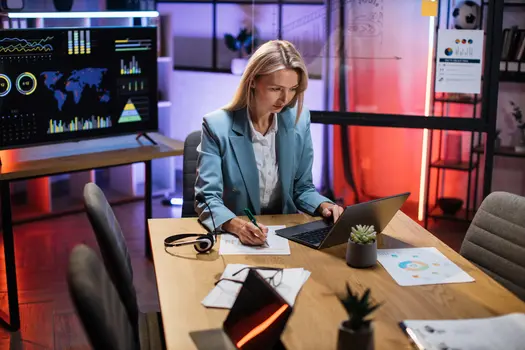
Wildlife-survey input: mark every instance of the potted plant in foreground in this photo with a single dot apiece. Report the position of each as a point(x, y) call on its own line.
point(242, 44)
point(362, 247)
point(356, 333)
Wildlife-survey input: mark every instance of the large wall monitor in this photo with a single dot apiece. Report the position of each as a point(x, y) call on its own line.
point(76, 83)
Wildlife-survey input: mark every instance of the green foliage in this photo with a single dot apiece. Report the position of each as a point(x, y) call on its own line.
point(363, 234)
point(242, 43)
point(518, 115)
point(357, 309)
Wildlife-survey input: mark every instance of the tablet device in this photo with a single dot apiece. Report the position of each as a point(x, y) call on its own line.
point(255, 322)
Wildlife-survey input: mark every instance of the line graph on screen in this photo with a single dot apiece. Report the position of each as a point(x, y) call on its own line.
point(17, 46)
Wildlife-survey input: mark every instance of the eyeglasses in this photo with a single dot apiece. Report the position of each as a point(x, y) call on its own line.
point(274, 280)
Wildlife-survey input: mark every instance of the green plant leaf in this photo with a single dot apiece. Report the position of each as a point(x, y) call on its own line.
point(364, 299)
point(230, 42)
point(375, 307)
point(243, 34)
point(363, 234)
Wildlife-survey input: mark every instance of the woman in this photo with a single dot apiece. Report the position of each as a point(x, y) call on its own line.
point(256, 152)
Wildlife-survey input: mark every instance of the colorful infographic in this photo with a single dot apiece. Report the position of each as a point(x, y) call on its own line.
point(129, 114)
point(420, 266)
point(413, 265)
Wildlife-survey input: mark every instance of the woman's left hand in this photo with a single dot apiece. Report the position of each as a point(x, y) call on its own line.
point(331, 210)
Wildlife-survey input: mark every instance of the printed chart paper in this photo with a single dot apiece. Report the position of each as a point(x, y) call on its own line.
point(500, 332)
point(420, 266)
point(277, 245)
point(458, 61)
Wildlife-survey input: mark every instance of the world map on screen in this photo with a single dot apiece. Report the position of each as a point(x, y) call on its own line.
point(75, 84)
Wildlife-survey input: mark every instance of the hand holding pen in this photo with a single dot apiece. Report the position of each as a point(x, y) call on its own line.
point(261, 232)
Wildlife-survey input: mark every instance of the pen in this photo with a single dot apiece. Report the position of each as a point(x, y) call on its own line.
point(252, 219)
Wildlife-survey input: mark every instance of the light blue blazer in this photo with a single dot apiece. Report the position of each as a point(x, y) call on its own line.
point(227, 173)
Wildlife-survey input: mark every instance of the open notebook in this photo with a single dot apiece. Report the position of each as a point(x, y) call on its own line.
point(500, 332)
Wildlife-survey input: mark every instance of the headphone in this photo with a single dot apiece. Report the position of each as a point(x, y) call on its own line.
point(203, 242)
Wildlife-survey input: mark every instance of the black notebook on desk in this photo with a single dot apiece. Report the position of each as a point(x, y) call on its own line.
point(499, 332)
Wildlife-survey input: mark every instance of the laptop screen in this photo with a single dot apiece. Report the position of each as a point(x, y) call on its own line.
point(258, 316)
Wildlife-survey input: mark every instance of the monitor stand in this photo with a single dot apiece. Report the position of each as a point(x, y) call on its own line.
point(147, 137)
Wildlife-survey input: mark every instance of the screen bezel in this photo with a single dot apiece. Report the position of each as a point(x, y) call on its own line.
point(151, 125)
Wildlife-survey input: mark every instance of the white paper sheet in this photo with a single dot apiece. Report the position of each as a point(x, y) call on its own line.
point(420, 266)
point(223, 295)
point(231, 245)
point(503, 332)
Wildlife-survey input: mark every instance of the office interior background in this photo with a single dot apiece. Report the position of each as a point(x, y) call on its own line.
point(389, 69)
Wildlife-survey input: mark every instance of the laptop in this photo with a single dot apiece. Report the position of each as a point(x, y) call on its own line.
point(255, 322)
point(324, 233)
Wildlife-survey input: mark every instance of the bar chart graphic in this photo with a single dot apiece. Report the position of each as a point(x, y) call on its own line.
point(130, 68)
point(78, 124)
point(132, 85)
point(133, 45)
point(79, 42)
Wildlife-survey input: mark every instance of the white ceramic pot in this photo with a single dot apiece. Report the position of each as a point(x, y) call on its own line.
point(238, 65)
point(519, 148)
point(520, 141)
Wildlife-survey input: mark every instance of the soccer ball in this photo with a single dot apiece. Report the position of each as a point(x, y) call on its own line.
point(467, 15)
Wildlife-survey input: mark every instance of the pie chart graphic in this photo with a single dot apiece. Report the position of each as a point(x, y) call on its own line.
point(448, 51)
point(5, 85)
point(413, 265)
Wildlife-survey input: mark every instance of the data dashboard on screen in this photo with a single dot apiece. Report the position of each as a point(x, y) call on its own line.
point(61, 84)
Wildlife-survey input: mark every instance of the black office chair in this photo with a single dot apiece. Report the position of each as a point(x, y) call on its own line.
point(189, 174)
point(116, 258)
point(97, 302)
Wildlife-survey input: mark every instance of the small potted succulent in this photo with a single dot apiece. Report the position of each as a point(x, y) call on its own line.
point(357, 332)
point(242, 44)
point(518, 116)
point(361, 250)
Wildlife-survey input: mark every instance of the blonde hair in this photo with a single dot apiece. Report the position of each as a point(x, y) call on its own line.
point(270, 57)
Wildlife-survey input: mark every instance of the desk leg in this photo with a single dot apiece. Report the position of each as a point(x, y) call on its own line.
point(148, 210)
point(10, 262)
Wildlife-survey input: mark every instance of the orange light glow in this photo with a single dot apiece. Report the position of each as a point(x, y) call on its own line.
point(261, 327)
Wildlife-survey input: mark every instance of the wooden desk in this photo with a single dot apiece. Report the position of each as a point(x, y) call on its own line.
point(69, 158)
point(185, 279)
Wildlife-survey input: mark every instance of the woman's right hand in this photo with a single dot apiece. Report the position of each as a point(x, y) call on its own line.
point(247, 232)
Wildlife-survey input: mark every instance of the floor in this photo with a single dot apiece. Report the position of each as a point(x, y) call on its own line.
point(42, 250)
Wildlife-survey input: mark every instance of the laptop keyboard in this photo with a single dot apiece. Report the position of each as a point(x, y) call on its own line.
point(313, 237)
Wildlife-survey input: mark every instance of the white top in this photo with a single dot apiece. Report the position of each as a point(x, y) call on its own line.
point(265, 149)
